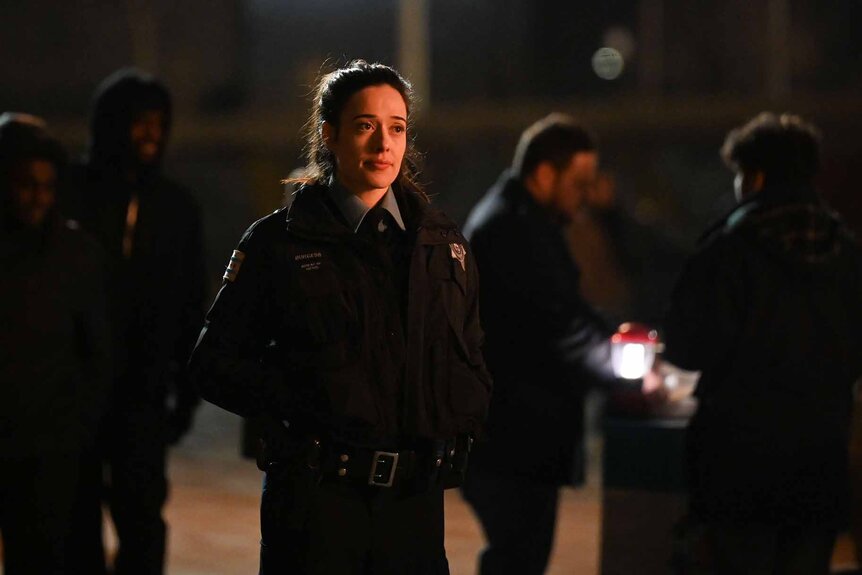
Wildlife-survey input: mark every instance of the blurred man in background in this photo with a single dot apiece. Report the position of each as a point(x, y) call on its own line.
point(627, 266)
point(544, 345)
point(769, 311)
point(54, 370)
point(150, 229)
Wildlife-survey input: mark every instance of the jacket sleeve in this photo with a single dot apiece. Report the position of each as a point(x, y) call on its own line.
point(226, 365)
point(535, 286)
point(474, 336)
point(706, 308)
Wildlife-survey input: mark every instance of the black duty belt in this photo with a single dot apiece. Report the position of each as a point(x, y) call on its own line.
point(437, 462)
point(379, 468)
point(433, 464)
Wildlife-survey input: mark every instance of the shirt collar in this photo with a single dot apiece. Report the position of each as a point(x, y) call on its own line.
point(354, 210)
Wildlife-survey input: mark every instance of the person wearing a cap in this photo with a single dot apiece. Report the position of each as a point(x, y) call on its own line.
point(54, 367)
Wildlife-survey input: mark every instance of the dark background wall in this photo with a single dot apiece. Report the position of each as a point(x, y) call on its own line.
point(241, 72)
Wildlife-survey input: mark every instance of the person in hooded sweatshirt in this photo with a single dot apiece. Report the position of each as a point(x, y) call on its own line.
point(150, 228)
point(54, 370)
point(768, 310)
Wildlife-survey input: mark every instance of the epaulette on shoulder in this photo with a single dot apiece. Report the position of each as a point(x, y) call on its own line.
point(265, 226)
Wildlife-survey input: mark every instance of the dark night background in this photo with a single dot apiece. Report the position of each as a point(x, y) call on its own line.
point(241, 72)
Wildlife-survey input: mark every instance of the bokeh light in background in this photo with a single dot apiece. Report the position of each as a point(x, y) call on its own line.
point(608, 63)
point(618, 48)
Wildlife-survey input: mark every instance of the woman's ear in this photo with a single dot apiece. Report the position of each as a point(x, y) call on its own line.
point(327, 132)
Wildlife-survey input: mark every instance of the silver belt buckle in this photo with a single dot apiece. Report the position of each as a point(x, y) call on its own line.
point(383, 478)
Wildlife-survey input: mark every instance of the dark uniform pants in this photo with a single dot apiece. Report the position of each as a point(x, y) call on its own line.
point(135, 453)
point(518, 516)
point(338, 528)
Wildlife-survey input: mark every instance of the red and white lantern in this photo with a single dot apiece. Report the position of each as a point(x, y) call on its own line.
point(633, 350)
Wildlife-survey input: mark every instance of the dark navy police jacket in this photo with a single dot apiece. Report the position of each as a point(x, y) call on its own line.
point(302, 330)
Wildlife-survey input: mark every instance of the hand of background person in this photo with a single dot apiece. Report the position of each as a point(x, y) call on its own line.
point(653, 388)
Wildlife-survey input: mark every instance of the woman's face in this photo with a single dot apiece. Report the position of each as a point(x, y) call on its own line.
point(370, 140)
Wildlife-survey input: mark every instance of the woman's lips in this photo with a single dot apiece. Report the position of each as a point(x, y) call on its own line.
point(378, 164)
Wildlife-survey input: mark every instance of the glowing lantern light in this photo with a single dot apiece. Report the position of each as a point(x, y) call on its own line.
point(633, 349)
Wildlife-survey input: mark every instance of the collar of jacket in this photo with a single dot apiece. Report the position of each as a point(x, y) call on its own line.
point(515, 194)
point(312, 216)
point(770, 196)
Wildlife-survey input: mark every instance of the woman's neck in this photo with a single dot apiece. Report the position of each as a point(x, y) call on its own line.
point(371, 197)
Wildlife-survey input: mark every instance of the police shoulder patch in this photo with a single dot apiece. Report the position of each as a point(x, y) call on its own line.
point(233, 266)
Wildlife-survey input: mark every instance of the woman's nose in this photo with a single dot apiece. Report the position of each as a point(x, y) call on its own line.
point(381, 140)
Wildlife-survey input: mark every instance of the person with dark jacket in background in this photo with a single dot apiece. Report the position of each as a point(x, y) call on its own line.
point(768, 310)
point(54, 358)
point(545, 345)
point(150, 228)
point(349, 325)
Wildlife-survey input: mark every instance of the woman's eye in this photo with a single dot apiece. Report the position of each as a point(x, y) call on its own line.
point(399, 129)
point(364, 126)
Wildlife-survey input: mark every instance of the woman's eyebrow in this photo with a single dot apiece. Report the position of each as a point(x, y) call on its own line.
point(358, 116)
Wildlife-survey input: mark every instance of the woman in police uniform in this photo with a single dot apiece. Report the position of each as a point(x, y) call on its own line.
point(348, 325)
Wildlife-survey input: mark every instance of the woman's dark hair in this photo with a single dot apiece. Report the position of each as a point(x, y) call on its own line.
point(785, 148)
point(332, 93)
point(555, 138)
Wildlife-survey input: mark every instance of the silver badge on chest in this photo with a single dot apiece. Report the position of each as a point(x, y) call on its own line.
point(458, 252)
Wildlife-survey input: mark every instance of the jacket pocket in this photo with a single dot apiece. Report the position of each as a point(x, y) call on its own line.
point(334, 374)
point(324, 317)
point(325, 354)
point(323, 322)
point(461, 396)
point(468, 395)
